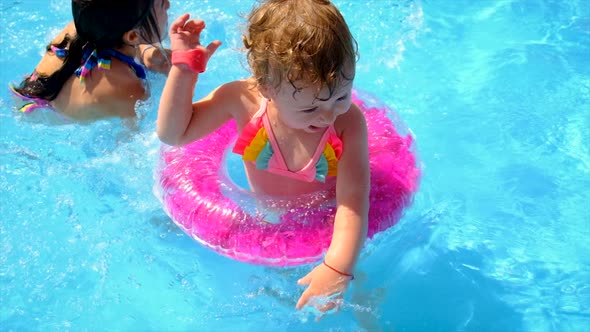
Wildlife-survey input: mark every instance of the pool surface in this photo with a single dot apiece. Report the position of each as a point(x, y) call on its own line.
point(497, 94)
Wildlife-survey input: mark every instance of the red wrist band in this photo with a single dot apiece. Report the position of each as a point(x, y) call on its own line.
point(340, 272)
point(195, 59)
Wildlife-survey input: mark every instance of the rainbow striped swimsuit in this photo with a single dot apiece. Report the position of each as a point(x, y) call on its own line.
point(257, 144)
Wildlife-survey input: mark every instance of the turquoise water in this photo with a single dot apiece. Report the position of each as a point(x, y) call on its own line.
point(497, 94)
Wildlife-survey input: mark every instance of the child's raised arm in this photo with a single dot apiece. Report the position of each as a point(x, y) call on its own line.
point(155, 58)
point(331, 278)
point(176, 114)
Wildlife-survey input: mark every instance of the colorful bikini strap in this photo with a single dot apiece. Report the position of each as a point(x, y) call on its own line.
point(139, 69)
point(59, 52)
point(91, 58)
point(31, 103)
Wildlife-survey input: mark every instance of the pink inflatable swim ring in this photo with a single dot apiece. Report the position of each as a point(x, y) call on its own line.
point(198, 194)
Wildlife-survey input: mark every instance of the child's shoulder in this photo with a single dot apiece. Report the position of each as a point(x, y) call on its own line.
point(353, 120)
point(239, 98)
point(239, 88)
point(119, 80)
point(241, 93)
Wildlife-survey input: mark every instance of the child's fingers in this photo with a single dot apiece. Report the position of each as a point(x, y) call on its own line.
point(331, 304)
point(329, 308)
point(195, 26)
point(303, 300)
point(178, 23)
point(212, 47)
point(305, 280)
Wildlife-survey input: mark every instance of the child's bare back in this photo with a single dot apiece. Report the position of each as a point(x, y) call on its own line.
point(90, 70)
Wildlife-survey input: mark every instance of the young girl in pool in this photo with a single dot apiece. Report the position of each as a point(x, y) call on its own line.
point(298, 106)
point(89, 70)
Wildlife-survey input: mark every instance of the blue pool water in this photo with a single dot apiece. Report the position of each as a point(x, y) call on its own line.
point(497, 94)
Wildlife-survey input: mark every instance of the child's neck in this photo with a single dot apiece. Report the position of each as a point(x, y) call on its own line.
point(283, 131)
point(276, 122)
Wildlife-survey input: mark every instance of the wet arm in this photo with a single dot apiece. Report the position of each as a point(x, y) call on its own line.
point(179, 121)
point(155, 58)
point(350, 224)
point(176, 108)
point(352, 194)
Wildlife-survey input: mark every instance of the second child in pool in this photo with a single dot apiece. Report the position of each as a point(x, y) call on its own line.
point(89, 70)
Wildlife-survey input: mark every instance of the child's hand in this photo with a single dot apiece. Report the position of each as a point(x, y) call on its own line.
point(155, 58)
point(185, 35)
point(325, 283)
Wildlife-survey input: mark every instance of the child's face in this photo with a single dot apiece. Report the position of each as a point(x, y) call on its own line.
point(301, 107)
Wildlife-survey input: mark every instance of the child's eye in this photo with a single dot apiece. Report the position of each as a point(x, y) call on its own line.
point(342, 98)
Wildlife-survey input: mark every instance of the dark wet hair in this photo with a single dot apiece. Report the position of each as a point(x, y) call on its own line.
point(101, 24)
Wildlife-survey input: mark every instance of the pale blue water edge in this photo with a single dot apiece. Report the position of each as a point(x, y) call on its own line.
point(497, 94)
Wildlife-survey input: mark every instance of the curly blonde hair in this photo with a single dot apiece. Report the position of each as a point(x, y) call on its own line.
point(299, 40)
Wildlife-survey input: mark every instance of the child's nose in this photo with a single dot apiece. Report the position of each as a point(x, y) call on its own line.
point(329, 116)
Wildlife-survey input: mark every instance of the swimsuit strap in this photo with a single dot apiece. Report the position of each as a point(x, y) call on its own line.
point(59, 52)
point(92, 58)
point(31, 103)
point(261, 110)
point(257, 143)
point(138, 68)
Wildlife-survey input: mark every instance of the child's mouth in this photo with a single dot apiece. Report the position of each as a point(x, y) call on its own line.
point(314, 128)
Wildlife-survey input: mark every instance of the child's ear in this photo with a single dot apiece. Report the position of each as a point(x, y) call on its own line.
point(132, 37)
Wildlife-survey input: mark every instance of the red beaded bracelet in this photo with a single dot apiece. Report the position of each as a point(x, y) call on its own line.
point(340, 272)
